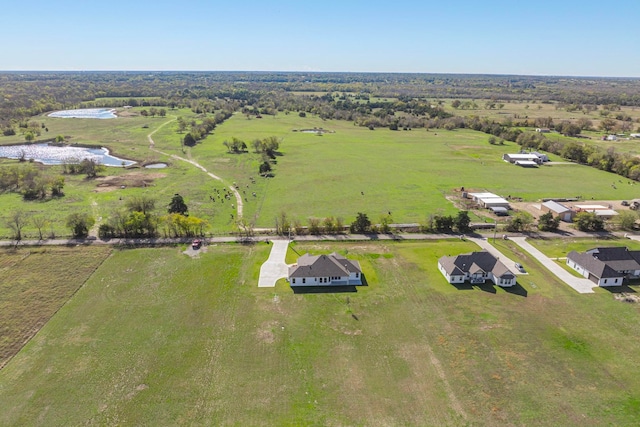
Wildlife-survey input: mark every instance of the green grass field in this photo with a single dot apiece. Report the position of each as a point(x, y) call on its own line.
point(353, 169)
point(34, 284)
point(155, 338)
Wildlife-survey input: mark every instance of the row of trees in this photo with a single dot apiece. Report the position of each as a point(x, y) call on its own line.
point(138, 218)
point(609, 160)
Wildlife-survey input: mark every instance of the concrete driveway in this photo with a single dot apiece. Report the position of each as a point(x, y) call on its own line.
point(509, 263)
point(274, 268)
point(581, 285)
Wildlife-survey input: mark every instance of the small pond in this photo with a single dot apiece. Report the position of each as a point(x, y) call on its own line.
point(55, 155)
point(156, 165)
point(86, 113)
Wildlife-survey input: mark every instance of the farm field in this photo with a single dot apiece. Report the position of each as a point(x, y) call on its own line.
point(349, 170)
point(34, 284)
point(155, 337)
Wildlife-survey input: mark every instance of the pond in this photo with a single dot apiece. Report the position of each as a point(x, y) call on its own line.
point(156, 165)
point(85, 113)
point(56, 155)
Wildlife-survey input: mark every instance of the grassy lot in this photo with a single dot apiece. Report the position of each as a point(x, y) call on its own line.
point(155, 337)
point(559, 248)
point(407, 173)
point(355, 160)
point(34, 284)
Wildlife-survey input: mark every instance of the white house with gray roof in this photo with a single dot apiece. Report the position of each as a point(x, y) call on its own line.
point(476, 267)
point(606, 266)
point(325, 270)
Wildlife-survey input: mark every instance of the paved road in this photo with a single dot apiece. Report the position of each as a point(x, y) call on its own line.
point(509, 263)
point(583, 286)
point(274, 267)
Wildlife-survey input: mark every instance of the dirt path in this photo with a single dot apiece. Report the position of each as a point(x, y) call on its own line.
point(199, 166)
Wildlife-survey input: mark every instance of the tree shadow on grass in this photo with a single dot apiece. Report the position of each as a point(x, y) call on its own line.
point(324, 289)
point(516, 289)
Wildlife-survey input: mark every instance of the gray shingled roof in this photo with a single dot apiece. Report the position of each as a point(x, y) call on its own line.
point(332, 265)
point(595, 266)
point(618, 258)
point(473, 262)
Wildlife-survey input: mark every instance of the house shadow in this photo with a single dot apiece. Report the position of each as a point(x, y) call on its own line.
point(487, 287)
point(324, 289)
point(624, 289)
point(466, 286)
point(517, 289)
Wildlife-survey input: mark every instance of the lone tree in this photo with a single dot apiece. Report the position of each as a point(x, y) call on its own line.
point(265, 168)
point(178, 205)
point(462, 221)
point(588, 221)
point(362, 224)
point(80, 223)
point(189, 140)
point(520, 222)
point(547, 222)
point(16, 222)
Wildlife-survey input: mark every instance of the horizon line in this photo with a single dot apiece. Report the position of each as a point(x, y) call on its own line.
point(319, 72)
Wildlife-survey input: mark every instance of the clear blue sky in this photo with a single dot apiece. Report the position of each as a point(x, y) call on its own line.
point(542, 37)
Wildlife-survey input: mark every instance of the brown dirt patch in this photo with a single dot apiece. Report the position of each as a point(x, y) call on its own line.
point(131, 179)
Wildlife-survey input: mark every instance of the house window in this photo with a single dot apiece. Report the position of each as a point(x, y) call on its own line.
point(357, 275)
point(304, 280)
point(605, 280)
point(293, 280)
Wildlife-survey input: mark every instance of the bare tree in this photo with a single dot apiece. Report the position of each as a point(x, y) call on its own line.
point(16, 222)
point(40, 222)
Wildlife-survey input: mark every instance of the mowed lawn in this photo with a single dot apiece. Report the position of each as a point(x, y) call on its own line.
point(158, 338)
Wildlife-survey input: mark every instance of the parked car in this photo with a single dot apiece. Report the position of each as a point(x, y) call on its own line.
point(520, 268)
point(624, 203)
point(196, 244)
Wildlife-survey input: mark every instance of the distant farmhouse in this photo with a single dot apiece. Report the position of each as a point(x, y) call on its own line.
point(325, 270)
point(543, 130)
point(606, 266)
point(476, 267)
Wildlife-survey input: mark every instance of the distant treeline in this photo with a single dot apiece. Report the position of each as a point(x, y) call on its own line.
point(27, 94)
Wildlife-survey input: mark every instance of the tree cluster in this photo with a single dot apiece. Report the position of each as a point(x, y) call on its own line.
point(90, 167)
point(31, 182)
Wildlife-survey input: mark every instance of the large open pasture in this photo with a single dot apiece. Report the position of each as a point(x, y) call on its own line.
point(158, 338)
point(351, 169)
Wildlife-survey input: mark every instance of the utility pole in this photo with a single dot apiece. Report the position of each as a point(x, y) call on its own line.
point(495, 229)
